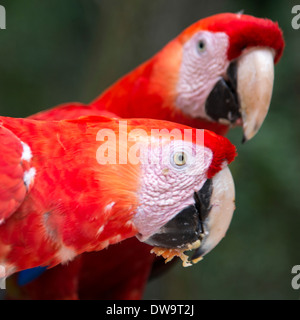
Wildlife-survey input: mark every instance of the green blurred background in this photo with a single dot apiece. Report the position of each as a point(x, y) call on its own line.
point(57, 51)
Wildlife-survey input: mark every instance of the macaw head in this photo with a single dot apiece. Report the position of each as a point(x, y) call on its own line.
point(224, 69)
point(185, 194)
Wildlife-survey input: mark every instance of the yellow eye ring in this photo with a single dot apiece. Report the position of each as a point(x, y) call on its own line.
point(180, 158)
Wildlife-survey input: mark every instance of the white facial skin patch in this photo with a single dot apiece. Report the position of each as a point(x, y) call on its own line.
point(26, 154)
point(167, 188)
point(29, 177)
point(204, 62)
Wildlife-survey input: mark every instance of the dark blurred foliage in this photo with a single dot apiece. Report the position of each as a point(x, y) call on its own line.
point(57, 51)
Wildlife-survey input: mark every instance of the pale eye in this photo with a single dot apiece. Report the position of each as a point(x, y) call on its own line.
point(180, 159)
point(201, 45)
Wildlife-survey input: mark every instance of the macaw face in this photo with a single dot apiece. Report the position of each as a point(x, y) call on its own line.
point(230, 92)
point(204, 62)
point(178, 205)
point(226, 70)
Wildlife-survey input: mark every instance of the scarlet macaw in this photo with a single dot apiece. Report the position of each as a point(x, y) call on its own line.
point(215, 74)
point(67, 190)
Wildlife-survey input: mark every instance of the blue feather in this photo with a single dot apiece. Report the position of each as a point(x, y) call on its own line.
point(26, 276)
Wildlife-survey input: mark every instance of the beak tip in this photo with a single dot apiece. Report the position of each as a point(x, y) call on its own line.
point(244, 140)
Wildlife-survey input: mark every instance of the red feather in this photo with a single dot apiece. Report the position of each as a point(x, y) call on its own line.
point(148, 91)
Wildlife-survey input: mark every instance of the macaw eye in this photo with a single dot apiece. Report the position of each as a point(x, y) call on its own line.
point(201, 45)
point(180, 159)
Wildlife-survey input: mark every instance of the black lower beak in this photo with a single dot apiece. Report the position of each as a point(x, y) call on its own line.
point(222, 104)
point(188, 226)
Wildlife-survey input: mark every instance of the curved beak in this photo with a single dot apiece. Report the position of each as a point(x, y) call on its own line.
point(255, 74)
point(200, 226)
point(244, 93)
point(222, 205)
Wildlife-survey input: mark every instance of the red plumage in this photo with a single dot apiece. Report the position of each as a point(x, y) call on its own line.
point(75, 204)
point(244, 32)
point(149, 91)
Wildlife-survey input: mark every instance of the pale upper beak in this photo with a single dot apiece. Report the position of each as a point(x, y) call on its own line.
point(222, 207)
point(244, 94)
point(255, 78)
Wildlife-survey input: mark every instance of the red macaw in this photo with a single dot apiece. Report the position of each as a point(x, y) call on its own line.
point(217, 73)
point(75, 186)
